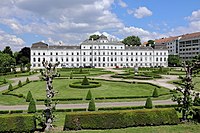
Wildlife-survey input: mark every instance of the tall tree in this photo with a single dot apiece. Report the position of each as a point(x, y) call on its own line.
point(174, 60)
point(5, 62)
point(95, 37)
point(23, 56)
point(132, 41)
point(7, 50)
point(150, 43)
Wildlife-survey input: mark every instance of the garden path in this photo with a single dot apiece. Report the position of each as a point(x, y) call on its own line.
point(23, 79)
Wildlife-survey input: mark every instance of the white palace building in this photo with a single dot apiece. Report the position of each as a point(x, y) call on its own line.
point(99, 53)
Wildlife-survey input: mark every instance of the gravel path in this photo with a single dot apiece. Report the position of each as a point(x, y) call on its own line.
point(85, 105)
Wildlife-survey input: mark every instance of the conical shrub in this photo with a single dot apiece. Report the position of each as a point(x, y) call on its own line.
point(71, 75)
point(32, 106)
point(27, 80)
point(85, 81)
point(148, 103)
point(29, 97)
point(4, 81)
point(10, 87)
point(89, 95)
point(20, 83)
point(92, 106)
point(155, 93)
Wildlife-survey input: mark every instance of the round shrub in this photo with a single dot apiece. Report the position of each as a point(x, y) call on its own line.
point(89, 95)
point(27, 80)
point(4, 81)
point(91, 106)
point(32, 106)
point(148, 103)
point(155, 93)
point(79, 85)
point(85, 81)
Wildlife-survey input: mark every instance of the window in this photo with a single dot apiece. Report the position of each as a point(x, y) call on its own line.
point(83, 53)
point(38, 59)
point(131, 59)
point(136, 53)
point(145, 53)
point(33, 53)
point(77, 59)
point(43, 53)
point(126, 59)
point(108, 59)
point(121, 59)
point(141, 53)
point(51, 59)
point(99, 59)
point(34, 59)
point(160, 59)
point(62, 59)
point(115, 59)
point(103, 58)
point(56, 59)
point(66, 53)
point(121, 53)
point(72, 53)
point(126, 53)
point(83, 59)
point(77, 53)
point(136, 59)
point(43, 59)
point(156, 59)
point(111, 59)
point(56, 53)
point(66, 59)
point(115, 53)
point(38, 53)
point(90, 59)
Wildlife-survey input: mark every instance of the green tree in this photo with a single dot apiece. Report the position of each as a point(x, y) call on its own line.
point(174, 60)
point(4, 81)
point(132, 41)
point(155, 93)
point(5, 62)
point(20, 83)
point(185, 100)
point(92, 106)
point(89, 95)
point(95, 37)
point(28, 66)
point(7, 50)
point(32, 106)
point(148, 103)
point(23, 56)
point(10, 87)
point(29, 96)
point(150, 43)
point(85, 81)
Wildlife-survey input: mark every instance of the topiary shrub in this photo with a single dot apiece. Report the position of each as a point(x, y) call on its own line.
point(80, 86)
point(17, 123)
point(27, 80)
point(10, 87)
point(32, 106)
point(91, 106)
point(89, 95)
point(148, 103)
point(4, 81)
point(71, 75)
point(20, 83)
point(85, 81)
point(29, 96)
point(120, 119)
point(155, 93)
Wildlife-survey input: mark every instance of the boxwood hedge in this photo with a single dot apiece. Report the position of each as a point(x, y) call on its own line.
point(17, 123)
point(79, 85)
point(120, 119)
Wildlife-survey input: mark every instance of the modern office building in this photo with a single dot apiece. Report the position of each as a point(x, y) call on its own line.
point(99, 53)
point(186, 46)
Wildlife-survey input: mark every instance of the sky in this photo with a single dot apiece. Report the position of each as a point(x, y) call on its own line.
point(69, 22)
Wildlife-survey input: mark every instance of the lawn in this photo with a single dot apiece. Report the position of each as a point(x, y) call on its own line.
point(107, 89)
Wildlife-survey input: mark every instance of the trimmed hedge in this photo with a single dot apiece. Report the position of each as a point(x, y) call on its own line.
point(120, 119)
point(79, 85)
point(61, 99)
point(121, 108)
point(4, 111)
point(17, 123)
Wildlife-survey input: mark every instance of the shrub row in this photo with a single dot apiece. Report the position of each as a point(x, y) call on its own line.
point(166, 106)
point(17, 123)
point(121, 108)
point(61, 99)
point(79, 85)
point(120, 119)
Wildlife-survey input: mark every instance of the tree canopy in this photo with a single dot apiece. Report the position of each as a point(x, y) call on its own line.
point(23, 56)
point(150, 43)
point(7, 50)
point(132, 41)
point(95, 37)
point(174, 60)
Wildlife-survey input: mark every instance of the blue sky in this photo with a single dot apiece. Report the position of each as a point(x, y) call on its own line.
point(23, 22)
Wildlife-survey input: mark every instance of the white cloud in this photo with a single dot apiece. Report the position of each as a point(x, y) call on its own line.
point(195, 16)
point(140, 12)
point(122, 3)
point(10, 40)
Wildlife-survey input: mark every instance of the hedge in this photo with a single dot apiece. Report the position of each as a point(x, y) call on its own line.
point(17, 123)
point(120, 119)
point(61, 99)
point(196, 115)
point(79, 85)
point(121, 108)
point(4, 111)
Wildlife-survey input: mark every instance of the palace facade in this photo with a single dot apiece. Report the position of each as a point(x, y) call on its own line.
point(99, 53)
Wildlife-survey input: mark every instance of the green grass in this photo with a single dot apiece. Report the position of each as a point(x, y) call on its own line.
point(107, 89)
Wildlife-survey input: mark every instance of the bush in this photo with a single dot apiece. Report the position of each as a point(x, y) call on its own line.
point(120, 119)
point(4, 81)
point(122, 108)
point(10, 87)
point(16, 111)
point(85, 81)
point(91, 106)
point(79, 85)
point(29, 96)
point(4, 111)
point(27, 80)
point(148, 103)
point(155, 93)
point(196, 115)
point(20, 83)
point(89, 95)
point(71, 75)
point(32, 106)
point(166, 106)
point(17, 123)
